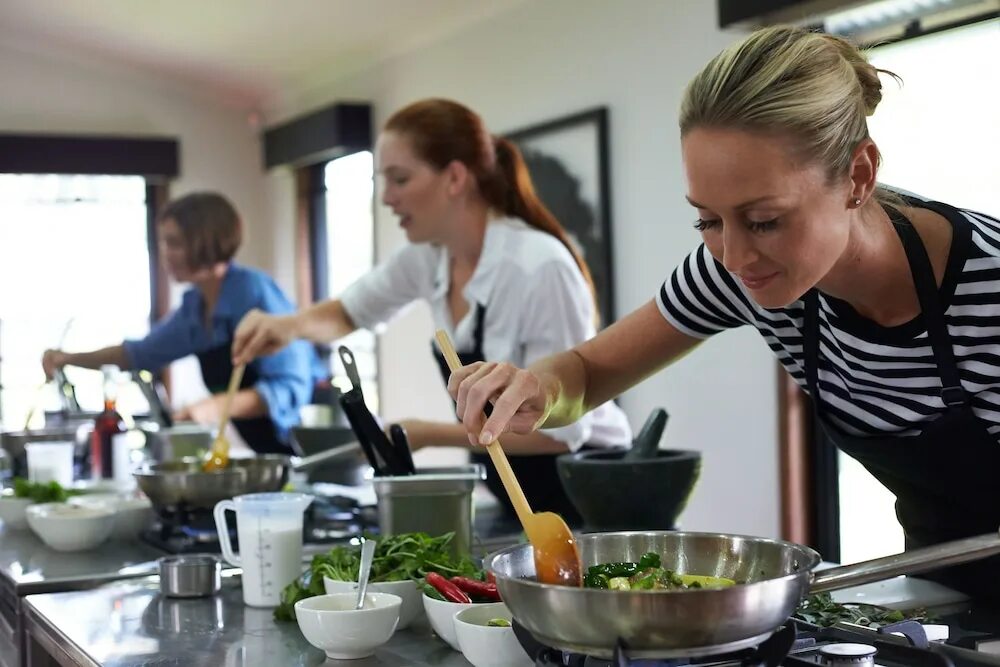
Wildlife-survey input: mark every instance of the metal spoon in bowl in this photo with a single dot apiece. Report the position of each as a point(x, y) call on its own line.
point(367, 556)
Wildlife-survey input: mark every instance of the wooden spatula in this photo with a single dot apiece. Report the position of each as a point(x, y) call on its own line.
point(557, 559)
point(218, 458)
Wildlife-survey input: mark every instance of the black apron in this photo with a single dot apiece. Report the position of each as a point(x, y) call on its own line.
point(258, 432)
point(945, 479)
point(537, 474)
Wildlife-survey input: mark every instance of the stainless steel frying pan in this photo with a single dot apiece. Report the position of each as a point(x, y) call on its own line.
point(183, 482)
point(775, 576)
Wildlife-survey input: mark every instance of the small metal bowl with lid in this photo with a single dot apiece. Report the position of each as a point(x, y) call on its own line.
point(190, 575)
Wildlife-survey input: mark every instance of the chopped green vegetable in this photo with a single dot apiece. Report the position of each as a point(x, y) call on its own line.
point(619, 584)
point(821, 610)
point(498, 623)
point(409, 556)
point(647, 575)
point(49, 492)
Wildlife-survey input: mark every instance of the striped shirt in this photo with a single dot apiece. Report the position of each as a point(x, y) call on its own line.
point(873, 380)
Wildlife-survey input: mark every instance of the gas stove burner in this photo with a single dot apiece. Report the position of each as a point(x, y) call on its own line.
point(847, 655)
point(771, 653)
point(794, 645)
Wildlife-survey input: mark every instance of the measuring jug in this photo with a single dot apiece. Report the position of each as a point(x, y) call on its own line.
point(269, 529)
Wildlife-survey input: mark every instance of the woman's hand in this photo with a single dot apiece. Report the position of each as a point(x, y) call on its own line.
point(53, 360)
point(259, 334)
point(519, 398)
point(204, 412)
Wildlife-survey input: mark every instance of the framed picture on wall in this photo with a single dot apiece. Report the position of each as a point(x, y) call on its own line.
point(568, 161)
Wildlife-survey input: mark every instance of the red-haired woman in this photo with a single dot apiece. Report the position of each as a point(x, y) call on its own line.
point(495, 266)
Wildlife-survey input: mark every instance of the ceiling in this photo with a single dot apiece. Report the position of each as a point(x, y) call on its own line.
point(245, 52)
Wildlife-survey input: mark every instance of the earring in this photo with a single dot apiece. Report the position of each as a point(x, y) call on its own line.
point(856, 202)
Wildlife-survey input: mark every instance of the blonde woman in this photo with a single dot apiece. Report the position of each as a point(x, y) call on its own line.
point(885, 307)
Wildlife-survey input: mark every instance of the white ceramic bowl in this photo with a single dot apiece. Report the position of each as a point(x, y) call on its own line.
point(66, 527)
point(486, 646)
point(333, 625)
point(441, 614)
point(412, 607)
point(133, 513)
point(13, 512)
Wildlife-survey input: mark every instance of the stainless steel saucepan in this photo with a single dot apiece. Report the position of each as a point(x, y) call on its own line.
point(773, 577)
point(183, 482)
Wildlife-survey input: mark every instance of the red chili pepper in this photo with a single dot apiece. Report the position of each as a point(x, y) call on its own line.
point(491, 578)
point(450, 591)
point(480, 589)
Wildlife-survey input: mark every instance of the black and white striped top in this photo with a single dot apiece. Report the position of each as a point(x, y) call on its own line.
point(873, 380)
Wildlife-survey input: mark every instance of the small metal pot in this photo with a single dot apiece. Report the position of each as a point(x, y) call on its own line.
point(190, 576)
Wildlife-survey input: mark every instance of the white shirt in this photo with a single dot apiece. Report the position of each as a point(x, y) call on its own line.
point(537, 304)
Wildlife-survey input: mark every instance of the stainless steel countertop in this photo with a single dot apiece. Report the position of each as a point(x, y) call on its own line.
point(129, 624)
point(28, 566)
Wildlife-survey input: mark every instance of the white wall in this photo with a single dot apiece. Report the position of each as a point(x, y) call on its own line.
point(45, 91)
point(543, 60)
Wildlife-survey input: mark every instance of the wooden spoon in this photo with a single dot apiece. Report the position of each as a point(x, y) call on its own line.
point(557, 559)
point(218, 458)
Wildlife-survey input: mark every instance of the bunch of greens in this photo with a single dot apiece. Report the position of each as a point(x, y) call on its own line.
point(397, 558)
point(821, 610)
point(50, 492)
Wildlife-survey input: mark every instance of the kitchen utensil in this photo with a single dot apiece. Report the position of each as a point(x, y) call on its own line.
point(157, 406)
point(773, 577)
point(402, 444)
point(177, 441)
point(13, 443)
point(185, 483)
point(644, 446)
point(380, 452)
point(484, 645)
point(411, 609)
point(364, 571)
point(613, 492)
point(65, 527)
point(434, 501)
point(269, 528)
point(333, 625)
point(218, 458)
point(50, 462)
point(556, 558)
point(190, 575)
point(349, 467)
point(441, 616)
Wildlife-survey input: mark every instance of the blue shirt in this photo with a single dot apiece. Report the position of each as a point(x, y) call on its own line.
point(287, 377)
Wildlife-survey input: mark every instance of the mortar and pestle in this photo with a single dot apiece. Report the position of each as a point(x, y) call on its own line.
point(642, 488)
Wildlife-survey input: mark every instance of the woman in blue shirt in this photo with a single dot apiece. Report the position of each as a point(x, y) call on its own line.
point(198, 236)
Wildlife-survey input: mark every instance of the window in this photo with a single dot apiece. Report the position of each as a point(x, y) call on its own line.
point(75, 273)
point(348, 244)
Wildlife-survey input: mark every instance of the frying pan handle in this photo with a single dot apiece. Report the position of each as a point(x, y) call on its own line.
point(909, 562)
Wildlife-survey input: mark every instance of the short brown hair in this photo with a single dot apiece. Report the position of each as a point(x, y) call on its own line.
point(210, 225)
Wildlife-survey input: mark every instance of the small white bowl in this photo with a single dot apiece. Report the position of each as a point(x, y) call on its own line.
point(412, 607)
point(333, 625)
point(487, 646)
point(441, 614)
point(67, 527)
point(13, 512)
point(133, 513)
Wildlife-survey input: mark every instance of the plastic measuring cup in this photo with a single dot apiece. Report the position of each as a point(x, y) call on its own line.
point(50, 462)
point(269, 528)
